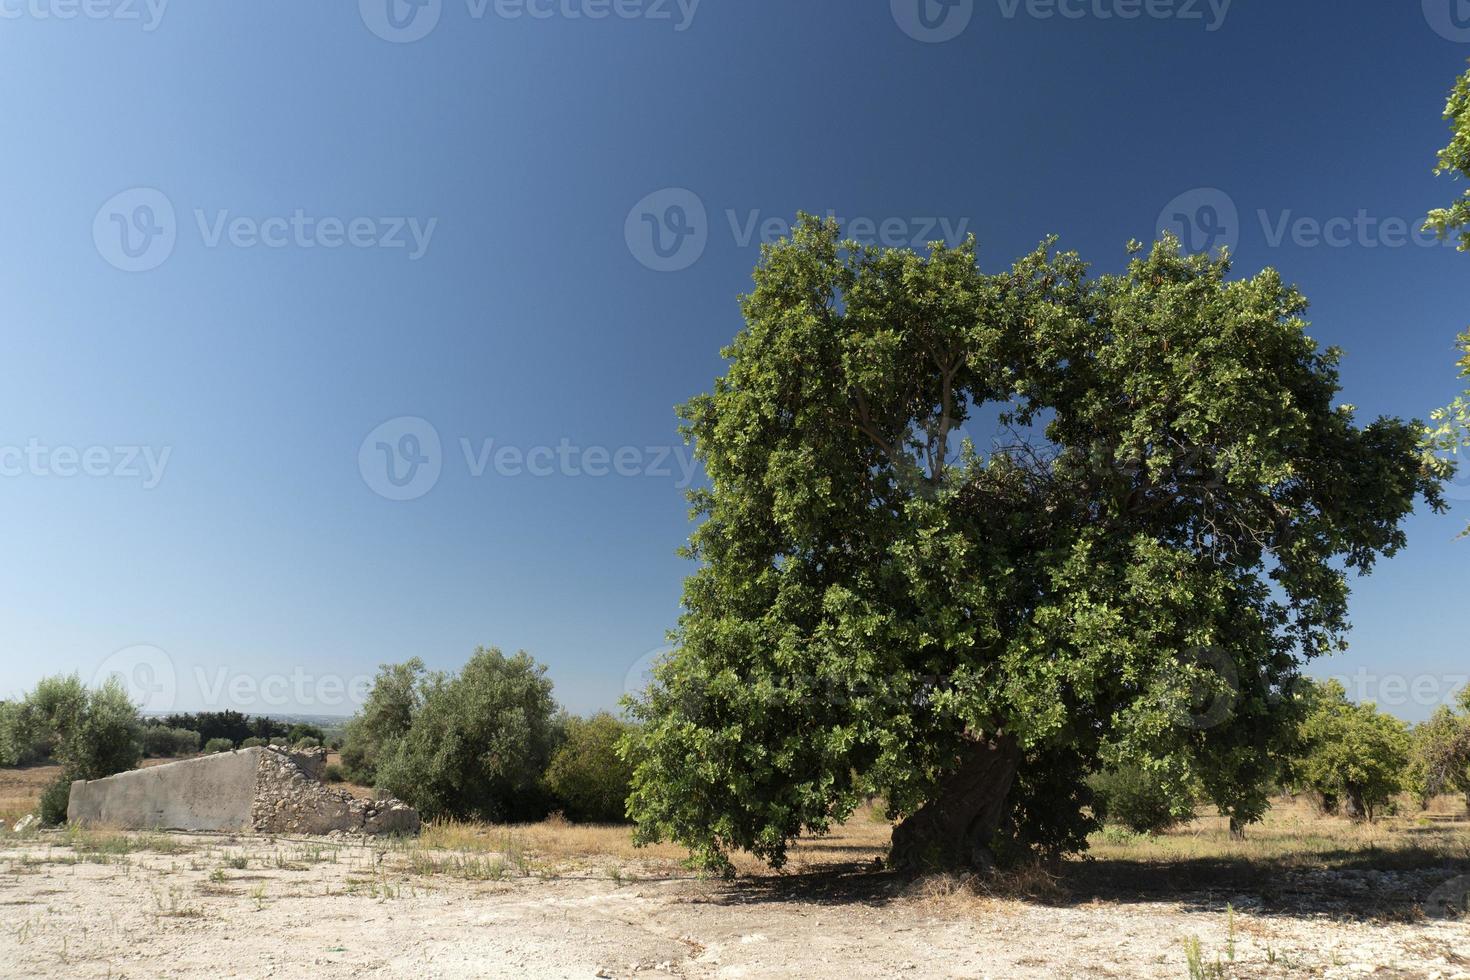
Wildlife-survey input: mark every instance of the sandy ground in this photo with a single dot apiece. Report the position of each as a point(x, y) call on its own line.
point(110, 905)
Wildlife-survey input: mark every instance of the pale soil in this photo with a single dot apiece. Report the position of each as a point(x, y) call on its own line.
point(1311, 898)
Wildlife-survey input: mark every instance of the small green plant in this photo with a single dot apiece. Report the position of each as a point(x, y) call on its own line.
point(1198, 968)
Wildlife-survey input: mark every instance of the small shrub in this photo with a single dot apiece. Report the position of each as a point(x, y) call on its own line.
point(1140, 800)
point(334, 774)
point(253, 742)
point(309, 742)
point(218, 745)
point(163, 742)
point(54, 802)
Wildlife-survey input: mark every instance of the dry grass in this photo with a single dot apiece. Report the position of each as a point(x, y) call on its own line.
point(1294, 834)
point(21, 789)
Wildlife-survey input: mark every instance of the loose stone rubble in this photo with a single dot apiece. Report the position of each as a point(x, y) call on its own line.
point(290, 798)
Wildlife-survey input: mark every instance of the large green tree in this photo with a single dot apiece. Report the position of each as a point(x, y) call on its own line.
point(1159, 536)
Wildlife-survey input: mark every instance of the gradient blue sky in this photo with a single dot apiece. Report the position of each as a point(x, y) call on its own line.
point(533, 316)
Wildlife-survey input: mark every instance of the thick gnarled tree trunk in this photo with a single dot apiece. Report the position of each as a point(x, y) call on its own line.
point(954, 830)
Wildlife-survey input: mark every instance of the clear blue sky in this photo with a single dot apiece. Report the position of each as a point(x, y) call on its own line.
point(533, 308)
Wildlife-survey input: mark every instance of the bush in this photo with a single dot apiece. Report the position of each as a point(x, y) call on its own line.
point(22, 743)
point(1441, 754)
point(1142, 799)
point(308, 743)
point(587, 776)
point(253, 743)
point(334, 774)
point(162, 742)
point(91, 733)
point(300, 732)
point(397, 695)
point(54, 802)
point(478, 745)
point(218, 745)
point(1353, 752)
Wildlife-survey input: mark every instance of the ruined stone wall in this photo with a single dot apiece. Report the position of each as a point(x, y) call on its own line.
point(267, 790)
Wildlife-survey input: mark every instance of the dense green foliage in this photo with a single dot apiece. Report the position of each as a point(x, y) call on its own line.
point(396, 697)
point(1158, 539)
point(588, 777)
point(54, 801)
point(1144, 798)
point(218, 745)
point(1441, 753)
point(162, 742)
point(1455, 160)
point(478, 744)
point(88, 733)
point(232, 725)
point(1352, 752)
point(1450, 433)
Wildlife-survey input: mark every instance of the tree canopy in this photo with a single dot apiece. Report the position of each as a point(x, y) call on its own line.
point(1451, 430)
point(1455, 161)
point(1158, 536)
point(1353, 752)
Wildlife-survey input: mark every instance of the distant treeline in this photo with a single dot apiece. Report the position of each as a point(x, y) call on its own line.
point(235, 727)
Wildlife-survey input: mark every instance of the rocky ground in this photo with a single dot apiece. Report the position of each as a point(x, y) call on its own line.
point(99, 904)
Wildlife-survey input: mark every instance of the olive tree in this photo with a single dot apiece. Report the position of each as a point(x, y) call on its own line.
point(386, 715)
point(478, 744)
point(1157, 537)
